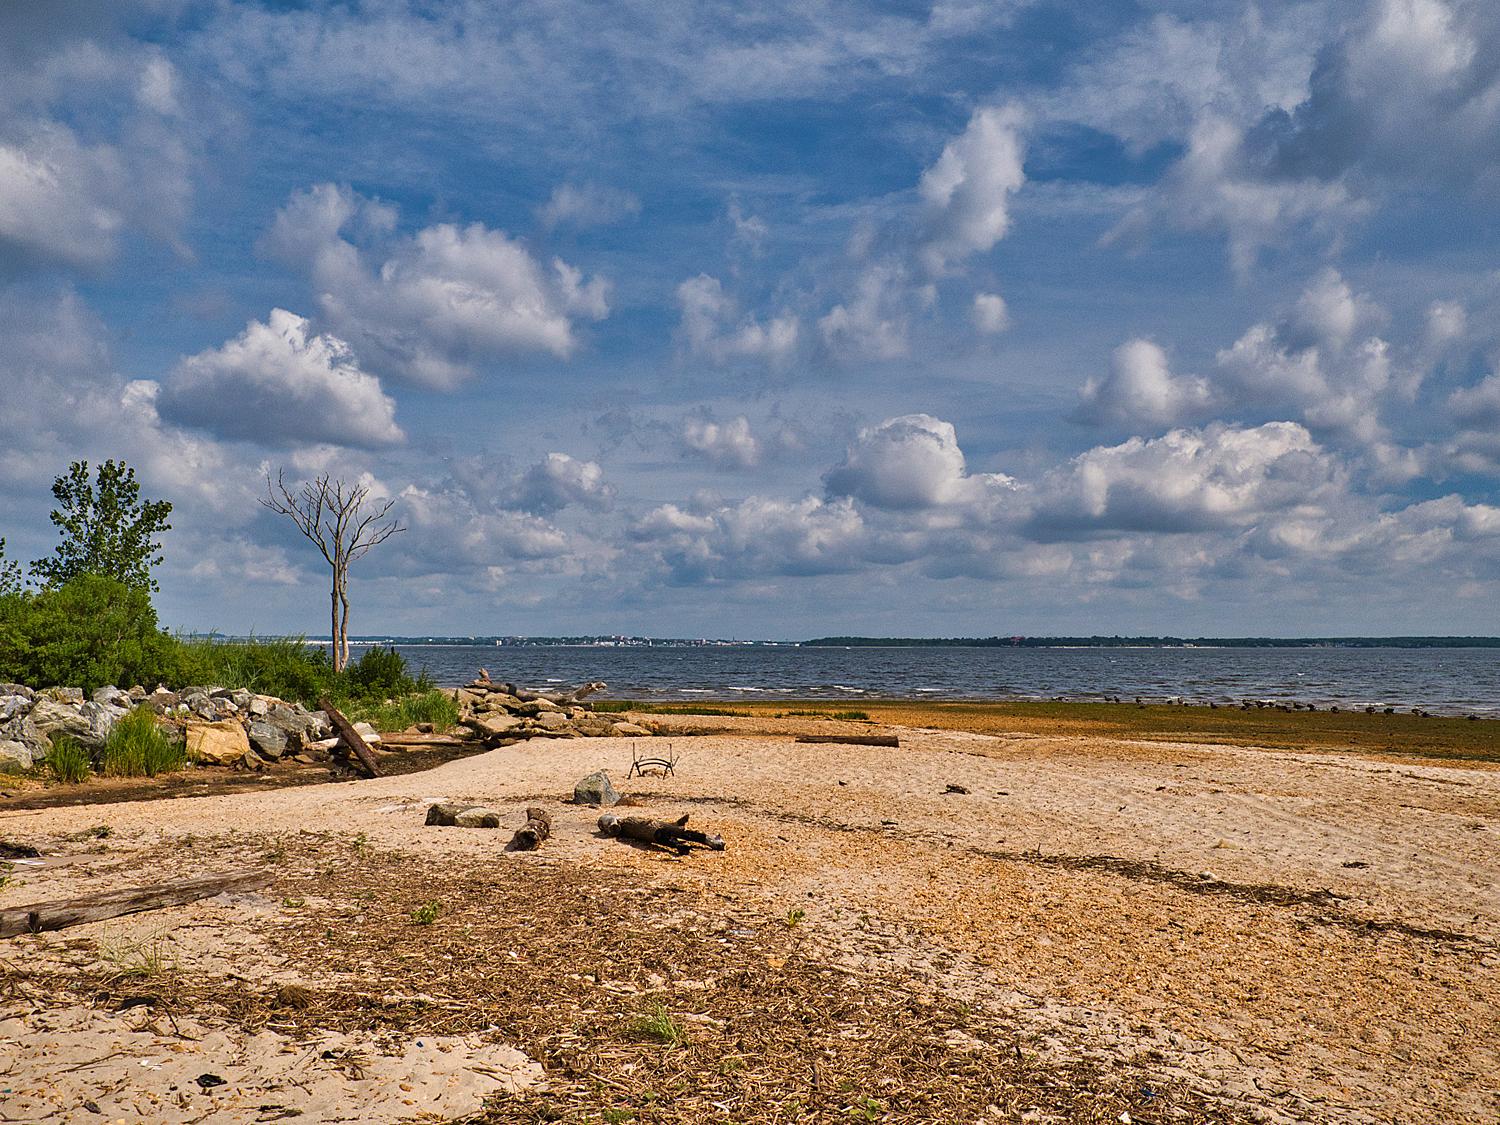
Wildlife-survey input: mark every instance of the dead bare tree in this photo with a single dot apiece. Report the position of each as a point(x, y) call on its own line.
point(332, 515)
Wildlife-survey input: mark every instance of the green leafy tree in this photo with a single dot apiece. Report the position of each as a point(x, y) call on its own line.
point(87, 632)
point(106, 528)
point(10, 574)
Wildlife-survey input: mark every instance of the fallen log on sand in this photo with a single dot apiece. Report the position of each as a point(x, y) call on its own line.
point(67, 912)
point(667, 834)
point(530, 835)
point(853, 739)
point(351, 737)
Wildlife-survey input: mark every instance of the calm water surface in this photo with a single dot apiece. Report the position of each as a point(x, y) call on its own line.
point(1445, 680)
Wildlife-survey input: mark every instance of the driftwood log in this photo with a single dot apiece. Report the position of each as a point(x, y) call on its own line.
point(63, 913)
point(351, 737)
point(530, 835)
point(561, 698)
point(852, 739)
point(667, 834)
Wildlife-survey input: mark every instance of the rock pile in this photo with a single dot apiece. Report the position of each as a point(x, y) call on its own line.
point(219, 726)
point(501, 714)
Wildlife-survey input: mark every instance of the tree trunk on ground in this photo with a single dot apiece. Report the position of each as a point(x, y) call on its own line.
point(351, 737)
point(853, 739)
point(530, 835)
point(667, 834)
point(62, 913)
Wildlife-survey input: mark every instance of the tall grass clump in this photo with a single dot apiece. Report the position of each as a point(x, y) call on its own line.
point(136, 747)
point(68, 762)
point(285, 667)
point(431, 706)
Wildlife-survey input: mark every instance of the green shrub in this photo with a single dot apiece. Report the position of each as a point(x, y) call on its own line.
point(137, 747)
point(68, 762)
point(88, 632)
point(379, 673)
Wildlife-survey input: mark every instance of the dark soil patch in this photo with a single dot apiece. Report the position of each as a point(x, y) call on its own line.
point(211, 781)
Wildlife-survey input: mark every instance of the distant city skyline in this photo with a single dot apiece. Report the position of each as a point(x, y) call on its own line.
point(957, 318)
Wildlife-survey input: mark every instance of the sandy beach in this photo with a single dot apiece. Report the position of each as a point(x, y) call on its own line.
point(1079, 929)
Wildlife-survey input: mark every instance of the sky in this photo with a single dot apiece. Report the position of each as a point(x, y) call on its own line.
point(771, 321)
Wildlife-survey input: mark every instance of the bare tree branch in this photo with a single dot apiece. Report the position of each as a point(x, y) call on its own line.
point(331, 515)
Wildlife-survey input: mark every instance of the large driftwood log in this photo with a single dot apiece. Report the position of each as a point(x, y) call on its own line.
point(530, 835)
point(668, 834)
point(351, 737)
point(853, 739)
point(62, 913)
point(525, 695)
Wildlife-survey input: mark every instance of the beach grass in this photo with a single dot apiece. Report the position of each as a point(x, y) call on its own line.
point(434, 706)
point(137, 747)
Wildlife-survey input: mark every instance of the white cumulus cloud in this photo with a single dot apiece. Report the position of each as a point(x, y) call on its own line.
point(432, 307)
point(911, 462)
point(1140, 389)
point(280, 384)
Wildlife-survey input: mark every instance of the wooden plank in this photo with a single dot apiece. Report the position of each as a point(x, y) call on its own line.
point(853, 739)
point(351, 737)
point(430, 741)
point(63, 913)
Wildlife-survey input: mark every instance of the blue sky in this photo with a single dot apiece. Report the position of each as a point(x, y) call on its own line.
point(912, 318)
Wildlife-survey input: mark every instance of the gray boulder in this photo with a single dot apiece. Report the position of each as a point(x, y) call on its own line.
point(101, 719)
point(13, 705)
point(16, 689)
point(15, 757)
point(596, 789)
point(62, 694)
point(23, 731)
point(202, 705)
point(452, 814)
point(112, 697)
point(267, 739)
point(53, 719)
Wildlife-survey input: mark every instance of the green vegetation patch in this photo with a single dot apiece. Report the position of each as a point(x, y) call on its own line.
point(137, 747)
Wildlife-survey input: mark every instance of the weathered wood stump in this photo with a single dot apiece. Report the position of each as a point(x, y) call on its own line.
point(530, 835)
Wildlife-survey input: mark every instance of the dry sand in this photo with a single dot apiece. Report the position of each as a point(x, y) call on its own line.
point(1292, 937)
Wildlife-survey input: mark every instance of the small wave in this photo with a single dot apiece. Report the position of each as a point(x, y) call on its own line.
point(761, 689)
point(846, 687)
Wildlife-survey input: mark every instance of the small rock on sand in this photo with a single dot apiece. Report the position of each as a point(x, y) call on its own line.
point(596, 789)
